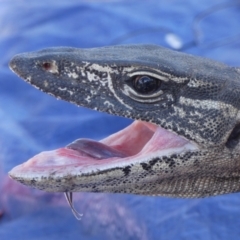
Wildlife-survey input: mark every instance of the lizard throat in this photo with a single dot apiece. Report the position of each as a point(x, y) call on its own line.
point(139, 142)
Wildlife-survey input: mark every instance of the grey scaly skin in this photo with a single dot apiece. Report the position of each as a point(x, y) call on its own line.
point(193, 97)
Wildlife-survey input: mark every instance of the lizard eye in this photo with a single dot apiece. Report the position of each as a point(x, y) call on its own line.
point(144, 88)
point(145, 84)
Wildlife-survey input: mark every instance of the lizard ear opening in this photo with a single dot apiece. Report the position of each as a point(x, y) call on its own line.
point(234, 137)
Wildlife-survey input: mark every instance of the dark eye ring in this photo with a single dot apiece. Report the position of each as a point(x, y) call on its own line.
point(145, 84)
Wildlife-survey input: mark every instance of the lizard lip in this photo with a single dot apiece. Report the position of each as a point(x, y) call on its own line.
point(135, 143)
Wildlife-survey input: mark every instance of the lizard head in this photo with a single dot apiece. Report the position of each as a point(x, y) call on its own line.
point(184, 142)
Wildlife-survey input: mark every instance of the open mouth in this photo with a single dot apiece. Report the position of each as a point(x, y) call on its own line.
point(139, 142)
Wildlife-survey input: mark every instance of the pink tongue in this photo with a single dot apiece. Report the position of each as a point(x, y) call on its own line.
point(94, 149)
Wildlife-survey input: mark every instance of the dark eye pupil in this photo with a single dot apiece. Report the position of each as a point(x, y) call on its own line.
point(145, 84)
point(47, 65)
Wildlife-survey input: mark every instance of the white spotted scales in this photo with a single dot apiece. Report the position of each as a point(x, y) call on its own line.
point(184, 142)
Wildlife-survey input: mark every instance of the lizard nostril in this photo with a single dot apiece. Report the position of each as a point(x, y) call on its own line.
point(234, 137)
point(47, 65)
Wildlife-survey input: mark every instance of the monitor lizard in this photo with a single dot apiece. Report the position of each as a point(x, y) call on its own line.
point(184, 141)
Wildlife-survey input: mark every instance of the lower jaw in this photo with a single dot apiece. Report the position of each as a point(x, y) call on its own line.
point(140, 142)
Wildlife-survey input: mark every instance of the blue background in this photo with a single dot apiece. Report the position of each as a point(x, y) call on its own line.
point(31, 121)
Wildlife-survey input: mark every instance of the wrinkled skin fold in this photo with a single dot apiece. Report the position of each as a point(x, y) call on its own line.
point(184, 142)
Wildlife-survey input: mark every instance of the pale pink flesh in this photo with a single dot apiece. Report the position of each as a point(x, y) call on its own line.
point(137, 141)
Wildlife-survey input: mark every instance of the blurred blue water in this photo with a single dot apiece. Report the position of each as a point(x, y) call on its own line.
point(31, 121)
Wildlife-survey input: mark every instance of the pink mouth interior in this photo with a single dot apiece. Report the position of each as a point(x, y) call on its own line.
point(134, 142)
point(142, 138)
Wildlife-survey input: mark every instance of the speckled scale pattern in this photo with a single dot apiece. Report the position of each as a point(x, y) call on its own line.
point(198, 99)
